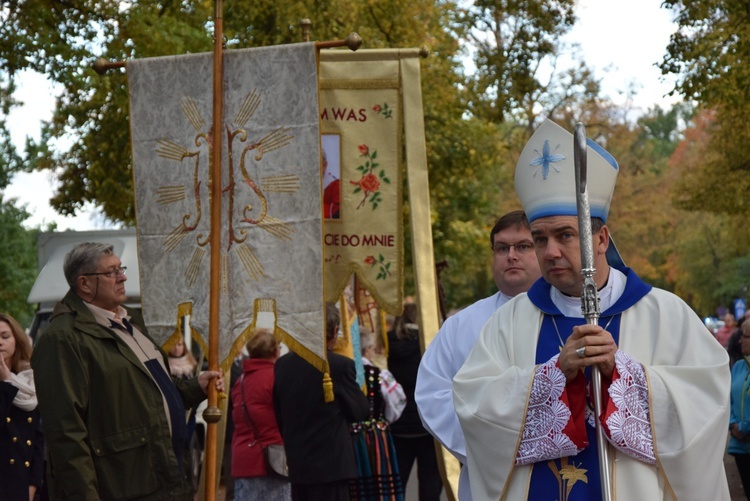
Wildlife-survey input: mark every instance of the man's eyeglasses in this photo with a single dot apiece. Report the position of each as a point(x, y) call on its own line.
point(502, 249)
point(114, 272)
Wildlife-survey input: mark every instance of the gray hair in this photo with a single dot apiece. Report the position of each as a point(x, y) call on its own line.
point(84, 258)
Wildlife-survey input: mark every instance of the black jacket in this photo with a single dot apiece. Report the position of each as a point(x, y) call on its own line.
point(317, 434)
point(404, 356)
point(21, 447)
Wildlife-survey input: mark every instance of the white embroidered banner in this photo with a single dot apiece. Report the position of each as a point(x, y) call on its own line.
point(271, 236)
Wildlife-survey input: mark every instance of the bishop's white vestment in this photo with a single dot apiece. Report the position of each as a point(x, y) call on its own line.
point(529, 433)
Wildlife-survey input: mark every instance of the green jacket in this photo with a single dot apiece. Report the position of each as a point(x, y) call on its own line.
point(104, 421)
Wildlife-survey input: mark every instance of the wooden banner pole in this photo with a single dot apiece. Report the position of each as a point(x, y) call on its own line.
point(212, 414)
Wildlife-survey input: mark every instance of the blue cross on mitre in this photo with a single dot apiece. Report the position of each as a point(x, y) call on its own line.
point(551, 147)
point(546, 158)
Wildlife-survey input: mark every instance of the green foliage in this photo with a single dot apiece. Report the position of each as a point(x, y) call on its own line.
point(709, 55)
point(513, 40)
point(471, 183)
point(710, 252)
point(660, 130)
point(18, 262)
point(10, 160)
point(709, 51)
point(88, 142)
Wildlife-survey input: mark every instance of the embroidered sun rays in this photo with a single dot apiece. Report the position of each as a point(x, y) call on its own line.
point(246, 187)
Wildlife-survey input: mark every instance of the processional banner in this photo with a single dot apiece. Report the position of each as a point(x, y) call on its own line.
point(361, 111)
point(271, 225)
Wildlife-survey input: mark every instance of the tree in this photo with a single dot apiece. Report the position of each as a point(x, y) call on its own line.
point(709, 54)
point(708, 248)
point(709, 253)
point(476, 126)
point(88, 140)
point(18, 263)
point(471, 180)
point(514, 43)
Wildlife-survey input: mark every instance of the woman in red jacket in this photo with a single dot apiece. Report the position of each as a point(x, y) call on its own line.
point(255, 423)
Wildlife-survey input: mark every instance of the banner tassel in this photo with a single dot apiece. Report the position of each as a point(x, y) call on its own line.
point(327, 388)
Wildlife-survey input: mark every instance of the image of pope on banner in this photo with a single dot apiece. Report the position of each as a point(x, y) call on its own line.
point(271, 238)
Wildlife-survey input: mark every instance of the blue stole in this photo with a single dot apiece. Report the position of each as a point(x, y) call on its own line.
point(574, 478)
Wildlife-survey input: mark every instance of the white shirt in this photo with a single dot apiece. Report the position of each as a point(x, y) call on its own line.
point(441, 361)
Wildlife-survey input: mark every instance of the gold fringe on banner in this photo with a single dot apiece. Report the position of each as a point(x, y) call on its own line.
point(327, 388)
point(184, 309)
point(344, 345)
point(269, 305)
point(383, 330)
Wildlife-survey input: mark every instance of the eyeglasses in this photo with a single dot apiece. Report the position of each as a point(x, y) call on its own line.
point(114, 272)
point(744, 336)
point(502, 249)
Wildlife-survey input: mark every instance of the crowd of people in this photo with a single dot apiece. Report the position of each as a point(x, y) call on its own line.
point(734, 335)
point(115, 413)
point(362, 446)
point(98, 410)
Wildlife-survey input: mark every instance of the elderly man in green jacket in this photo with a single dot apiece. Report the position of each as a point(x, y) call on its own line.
point(113, 416)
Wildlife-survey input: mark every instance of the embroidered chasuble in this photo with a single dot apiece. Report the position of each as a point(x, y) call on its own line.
point(573, 477)
point(665, 410)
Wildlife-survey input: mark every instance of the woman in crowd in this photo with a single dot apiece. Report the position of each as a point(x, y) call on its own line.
point(734, 347)
point(739, 417)
point(725, 332)
point(182, 364)
point(255, 423)
point(412, 441)
point(377, 467)
point(21, 440)
point(181, 361)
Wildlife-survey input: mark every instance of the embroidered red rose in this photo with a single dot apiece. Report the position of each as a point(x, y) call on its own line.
point(371, 175)
point(370, 260)
point(369, 182)
point(376, 108)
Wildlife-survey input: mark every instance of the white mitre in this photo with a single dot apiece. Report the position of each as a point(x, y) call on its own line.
point(545, 175)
